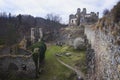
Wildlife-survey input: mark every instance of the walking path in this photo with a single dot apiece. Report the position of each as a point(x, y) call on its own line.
point(78, 72)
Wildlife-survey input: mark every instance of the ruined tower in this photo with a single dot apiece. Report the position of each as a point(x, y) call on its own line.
point(82, 17)
point(36, 34)
point(78, 11)
point(78, 16)
point(84, 11)
point(32, 35)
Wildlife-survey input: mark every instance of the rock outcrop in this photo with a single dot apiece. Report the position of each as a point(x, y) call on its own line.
point(73, 36)
point(103, 55)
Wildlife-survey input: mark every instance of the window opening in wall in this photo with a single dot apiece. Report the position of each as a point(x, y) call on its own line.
point(72, 21)
point(24, 67)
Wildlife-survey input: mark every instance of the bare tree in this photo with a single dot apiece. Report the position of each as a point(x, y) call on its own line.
point(53, 17)
point(19, 18)
point(105, 12)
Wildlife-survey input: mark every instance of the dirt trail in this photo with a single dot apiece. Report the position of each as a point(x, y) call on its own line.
point(78, 72)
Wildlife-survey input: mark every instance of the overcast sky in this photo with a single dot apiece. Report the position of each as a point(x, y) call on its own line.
point(61, 7)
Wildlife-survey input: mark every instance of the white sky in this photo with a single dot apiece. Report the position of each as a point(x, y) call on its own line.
point(61, 7)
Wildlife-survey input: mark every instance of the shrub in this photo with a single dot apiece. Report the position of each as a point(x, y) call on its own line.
point(105, 12)
point(2, 42)
point(116, 12)
point(38, 54)
point(42, 48)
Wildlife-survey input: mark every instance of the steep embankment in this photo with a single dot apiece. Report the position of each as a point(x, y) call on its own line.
point(104, 64)
point(103, 50)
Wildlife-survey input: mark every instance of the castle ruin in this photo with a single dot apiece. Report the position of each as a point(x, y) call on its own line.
point(82, 17)
point(36, 34)
point(17, 60)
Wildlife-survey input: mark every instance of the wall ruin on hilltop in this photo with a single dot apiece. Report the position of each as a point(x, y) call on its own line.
point(82, 17)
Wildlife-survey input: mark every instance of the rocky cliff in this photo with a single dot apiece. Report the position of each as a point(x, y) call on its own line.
point(103, 55)
point(103, 47)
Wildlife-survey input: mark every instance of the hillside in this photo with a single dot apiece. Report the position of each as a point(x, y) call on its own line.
point(14, 28)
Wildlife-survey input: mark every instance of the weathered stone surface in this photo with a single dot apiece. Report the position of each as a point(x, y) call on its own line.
point(73, 36)
point(17, 64)
point(12, 67)
point(79, 43)
point(68, 54)
point(103, 57)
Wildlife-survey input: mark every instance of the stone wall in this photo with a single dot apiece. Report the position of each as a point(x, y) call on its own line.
point(21, 65)
point(103, 56)
point(72, 35)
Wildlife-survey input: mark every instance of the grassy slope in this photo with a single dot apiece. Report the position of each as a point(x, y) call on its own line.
point(77, 58)
point(53, 70)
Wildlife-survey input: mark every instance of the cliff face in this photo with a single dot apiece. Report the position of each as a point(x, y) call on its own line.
point(103, 49)
point(103, 55)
